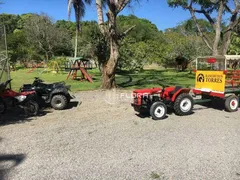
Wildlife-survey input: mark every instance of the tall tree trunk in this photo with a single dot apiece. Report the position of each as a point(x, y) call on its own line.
point(100, 62)
point(47, 57)
point(76, 44)
point(227, 37)
point(218, 29)
point(226, 42)
point(109, 69)
point(100, 16)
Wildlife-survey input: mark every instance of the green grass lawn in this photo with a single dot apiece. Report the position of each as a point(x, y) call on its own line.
point(145, 79)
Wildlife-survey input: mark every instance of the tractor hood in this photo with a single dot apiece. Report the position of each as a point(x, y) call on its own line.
point(147, 91)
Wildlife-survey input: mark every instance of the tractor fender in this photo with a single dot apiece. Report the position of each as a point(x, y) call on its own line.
point(180, 91)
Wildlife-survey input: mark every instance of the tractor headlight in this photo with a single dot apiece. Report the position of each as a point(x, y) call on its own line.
point(21, 98)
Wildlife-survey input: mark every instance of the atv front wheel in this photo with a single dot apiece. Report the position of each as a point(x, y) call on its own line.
point(31, 108)
point(59, 102)
point(183, 104)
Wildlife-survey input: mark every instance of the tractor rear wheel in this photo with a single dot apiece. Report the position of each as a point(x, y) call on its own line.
point(158, 110)
point(231, 103)
point(183, 104)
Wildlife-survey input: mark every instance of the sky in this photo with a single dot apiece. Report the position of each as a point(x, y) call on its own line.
point(157, 11)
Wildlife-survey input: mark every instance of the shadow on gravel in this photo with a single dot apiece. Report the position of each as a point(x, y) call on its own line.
point(15, 116)
point(143, 116)
point(215, 104)
point(170, 111)
point(73, 104)
point(8, 162)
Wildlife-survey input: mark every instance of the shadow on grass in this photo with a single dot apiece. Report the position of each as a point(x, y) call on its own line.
point(155, 79)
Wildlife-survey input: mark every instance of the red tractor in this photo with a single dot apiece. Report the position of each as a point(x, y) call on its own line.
point(156, 100)
point(213, 81)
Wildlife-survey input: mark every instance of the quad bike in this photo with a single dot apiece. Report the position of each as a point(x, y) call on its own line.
point(24, 100)
point(56, 94)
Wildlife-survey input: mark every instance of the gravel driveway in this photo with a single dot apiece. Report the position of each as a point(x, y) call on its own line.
point(100, 140)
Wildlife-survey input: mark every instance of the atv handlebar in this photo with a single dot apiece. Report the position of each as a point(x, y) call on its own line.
point(4, 85)
point(7, 82)
point(37, 80)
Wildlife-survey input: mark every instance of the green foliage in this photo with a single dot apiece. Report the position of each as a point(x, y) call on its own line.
point(19, 49)
point(145, 44)
point(60, 60)
point(133, 55)
point(67, 25)
point(144, 30)
point(42, 33)
point(219, 43)
point(23, 19)
point(141, 46)
point(10, 21)
point(188, 27)
point(178, 45)
point(209, 5)
point(234, 48)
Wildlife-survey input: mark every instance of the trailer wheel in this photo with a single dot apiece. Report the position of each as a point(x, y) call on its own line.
point(183, 104)
point(231, 103)
point(158, 110)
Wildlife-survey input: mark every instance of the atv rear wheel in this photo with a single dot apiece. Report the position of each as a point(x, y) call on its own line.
point(59, 102)
point(158, 110)
point(183, 104)
point(232, 103)
point(31, 108)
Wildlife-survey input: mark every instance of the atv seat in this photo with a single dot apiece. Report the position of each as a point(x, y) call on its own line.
point(177, 88)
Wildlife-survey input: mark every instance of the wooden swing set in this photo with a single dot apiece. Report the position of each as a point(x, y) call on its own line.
point(79, 64)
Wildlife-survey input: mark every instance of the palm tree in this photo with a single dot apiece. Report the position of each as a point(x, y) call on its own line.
point(79, 8)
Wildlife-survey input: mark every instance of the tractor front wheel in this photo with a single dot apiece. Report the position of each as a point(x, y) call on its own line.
point(158, 110)
point(183, 104)
point(231, 103)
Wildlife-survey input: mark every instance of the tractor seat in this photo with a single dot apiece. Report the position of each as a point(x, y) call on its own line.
point(175, 90)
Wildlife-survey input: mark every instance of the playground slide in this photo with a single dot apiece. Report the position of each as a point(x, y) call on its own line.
point(85, 73)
